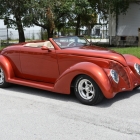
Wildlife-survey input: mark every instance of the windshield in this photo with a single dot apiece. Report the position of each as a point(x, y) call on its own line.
point(68, 42)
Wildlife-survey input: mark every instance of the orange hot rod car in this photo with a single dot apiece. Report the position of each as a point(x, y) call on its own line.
point(63, 63)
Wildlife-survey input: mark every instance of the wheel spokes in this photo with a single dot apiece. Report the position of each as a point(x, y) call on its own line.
point(86, 89)
point(1, 76)
point(88, 95)
point(86, 84)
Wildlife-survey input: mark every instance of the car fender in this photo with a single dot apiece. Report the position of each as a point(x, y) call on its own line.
point(6, 66)
point(131, 59)
point(63, 83)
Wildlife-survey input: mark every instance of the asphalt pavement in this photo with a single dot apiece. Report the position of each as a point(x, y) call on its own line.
point(33, 114)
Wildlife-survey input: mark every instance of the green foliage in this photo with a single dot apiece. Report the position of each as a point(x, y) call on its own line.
point(115, 6)
point(129, 50)
point(63, 13)
point(118, 6)
point(13, 12)
point(10, 10)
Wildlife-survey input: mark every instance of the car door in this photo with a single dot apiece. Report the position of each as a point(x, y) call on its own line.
point(39, 65)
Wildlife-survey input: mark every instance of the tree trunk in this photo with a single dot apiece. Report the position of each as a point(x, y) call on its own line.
point(89, 30)
point(50, 19)
point(77, 25)
point(50, 33)
point(20, 29)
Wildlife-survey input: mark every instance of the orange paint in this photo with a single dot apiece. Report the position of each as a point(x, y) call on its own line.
point(54, 69)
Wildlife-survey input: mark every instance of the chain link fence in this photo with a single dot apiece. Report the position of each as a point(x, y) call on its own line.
point(3, 35)
point(29, 34)
point(8, 35)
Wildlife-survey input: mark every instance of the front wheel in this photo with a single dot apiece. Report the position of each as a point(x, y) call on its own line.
point(3, 83)
point(87, 91)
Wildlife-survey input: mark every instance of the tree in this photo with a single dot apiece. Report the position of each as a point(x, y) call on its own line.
point(57, 14)
point(82, 14)
point(118, 6)
point(13, 12)
point(89, 21)
point(47, 14)
point(112, 6)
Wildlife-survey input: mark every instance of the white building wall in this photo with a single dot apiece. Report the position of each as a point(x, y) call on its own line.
point(128, 24)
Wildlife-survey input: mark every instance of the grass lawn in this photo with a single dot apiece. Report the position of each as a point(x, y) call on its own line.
point(1, 47)
point(128, 50)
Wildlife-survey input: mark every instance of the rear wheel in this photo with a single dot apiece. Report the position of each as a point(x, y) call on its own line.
point(3, 83)
point(87, 91)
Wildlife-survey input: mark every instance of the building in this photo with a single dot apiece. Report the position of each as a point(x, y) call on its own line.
point(124, 28)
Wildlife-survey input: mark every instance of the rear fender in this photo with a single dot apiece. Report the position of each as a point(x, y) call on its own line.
point(6, 66)
point(63, 83)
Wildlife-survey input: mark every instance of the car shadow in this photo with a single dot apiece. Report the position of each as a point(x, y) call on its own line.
point(120, 96)
point(71, 98)
point(42, 93)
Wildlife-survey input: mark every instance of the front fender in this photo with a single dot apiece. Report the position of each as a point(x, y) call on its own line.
point(6, 66)
point(63, 83)
point(135, 77)
point(131, 60)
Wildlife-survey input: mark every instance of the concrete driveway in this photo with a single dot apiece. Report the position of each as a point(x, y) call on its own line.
point(33, 114)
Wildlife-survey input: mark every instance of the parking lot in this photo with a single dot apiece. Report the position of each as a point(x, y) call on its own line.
point(32, 114)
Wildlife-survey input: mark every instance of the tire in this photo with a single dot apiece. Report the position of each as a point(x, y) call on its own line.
point(3, 83)
point(87, 91)
point(136, 88)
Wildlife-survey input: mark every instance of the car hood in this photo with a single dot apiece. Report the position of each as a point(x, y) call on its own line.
point(94, 51)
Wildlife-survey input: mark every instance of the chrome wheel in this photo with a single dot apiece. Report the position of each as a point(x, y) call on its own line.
point(86, 89)
point(1, 76)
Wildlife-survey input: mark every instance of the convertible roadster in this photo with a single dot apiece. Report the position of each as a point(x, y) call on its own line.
point(60, 64)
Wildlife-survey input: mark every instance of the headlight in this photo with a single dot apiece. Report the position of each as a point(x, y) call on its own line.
point(137, 68)
point(114, 76)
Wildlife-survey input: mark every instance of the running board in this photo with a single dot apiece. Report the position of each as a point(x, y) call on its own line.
point(35, 84)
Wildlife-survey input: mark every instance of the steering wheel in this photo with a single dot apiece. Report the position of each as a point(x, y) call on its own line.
point(71, 44)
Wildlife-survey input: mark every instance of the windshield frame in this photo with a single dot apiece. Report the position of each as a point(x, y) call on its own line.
point(71, 41)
